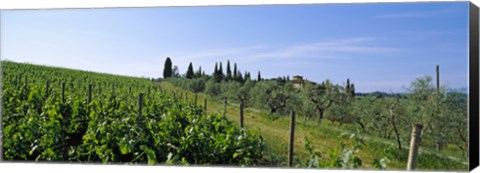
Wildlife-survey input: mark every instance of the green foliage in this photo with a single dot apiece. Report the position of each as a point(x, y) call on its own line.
point(212, 88)
point(273, 95)
point(176, 72)
point(380, 163)
point(196, 85)
point(110, 129)
point(199, 73)
point(343, 156)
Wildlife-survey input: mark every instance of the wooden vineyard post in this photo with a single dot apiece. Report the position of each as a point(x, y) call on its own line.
point(224, 106)
point(438, 143)
point(241, 115)
point(130, 90)
point(140, 104)
point(205, 105)
point(292, 135)
point(186, 97)
point(63, 91)
point(414, 144)
point(438, 80)
point(195, 99)
point(174, 97)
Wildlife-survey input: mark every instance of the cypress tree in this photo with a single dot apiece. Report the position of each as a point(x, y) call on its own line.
point(235, 75)
point(352, 90)
point(247, 76)
point(220, 72)
point(190, 71)
point(347, 87)
point(220, 69)
point(229, 72)
point(259, 77)
point(199, 72)
point(167, 68)
point(215, 73)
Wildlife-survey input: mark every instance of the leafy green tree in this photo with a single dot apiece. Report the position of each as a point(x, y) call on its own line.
point(238, 91)
point(394, 117)
point(366, 109)
point(426, 108)
point(341, 109)
point(212, 88)
point(273, 96)
point(456, 121)
point(167, 68)
point(197, 85)
point(322, 96)
point(176, 72)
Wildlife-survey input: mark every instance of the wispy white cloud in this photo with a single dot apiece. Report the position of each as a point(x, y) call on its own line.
point(419, 14)
point(317, 49)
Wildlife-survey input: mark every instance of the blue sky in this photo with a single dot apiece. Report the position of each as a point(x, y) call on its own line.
point(378, 46)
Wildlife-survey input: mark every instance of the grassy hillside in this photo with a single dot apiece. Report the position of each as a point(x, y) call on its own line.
point(325, 136)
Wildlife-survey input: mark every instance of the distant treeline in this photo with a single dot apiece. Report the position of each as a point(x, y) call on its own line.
point(404, 95)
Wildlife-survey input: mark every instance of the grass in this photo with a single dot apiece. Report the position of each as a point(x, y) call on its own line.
point(324, 136)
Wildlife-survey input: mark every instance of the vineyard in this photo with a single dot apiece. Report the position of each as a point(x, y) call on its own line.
point(57, 114)
point(65, 115)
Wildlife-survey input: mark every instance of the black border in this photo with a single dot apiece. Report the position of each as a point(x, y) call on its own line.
point(1, 90)
point(473, 87)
